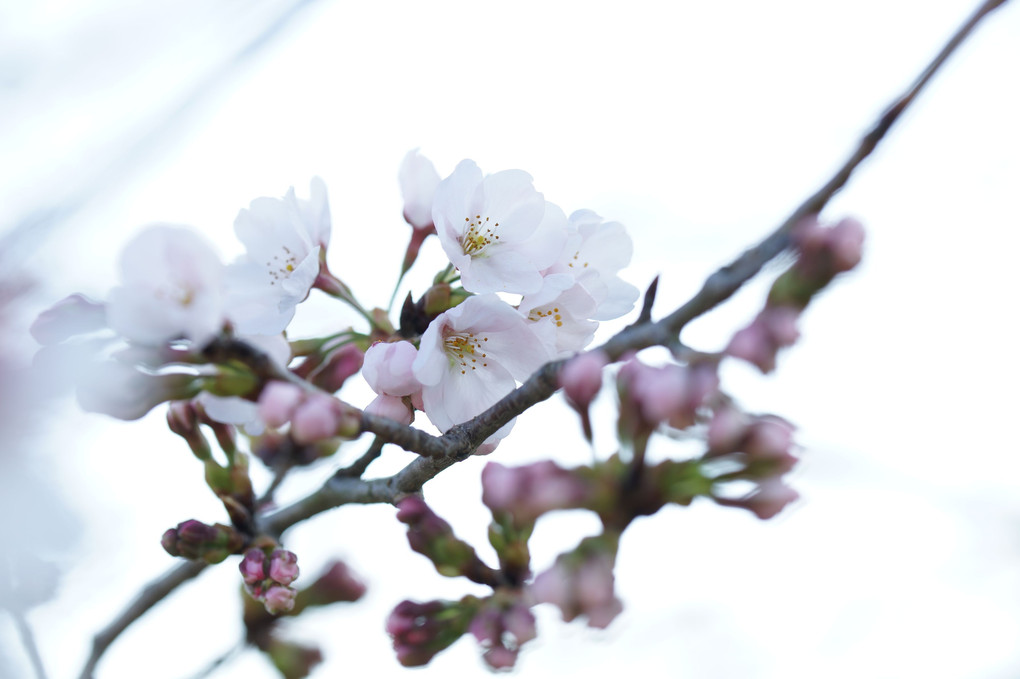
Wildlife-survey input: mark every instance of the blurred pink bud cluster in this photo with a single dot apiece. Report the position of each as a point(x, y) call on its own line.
point(772, 329)
point(763, 444)
point(268, 579)
point(670, 394)
point(501, 629)
point(529, 491)
point(313, 416)
point(421, 630)
point(431, 536)
point(195, 540)
point(582, 583)
point(828, 251)
point(824, 252)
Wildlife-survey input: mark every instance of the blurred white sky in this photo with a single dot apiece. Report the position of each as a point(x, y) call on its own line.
point(699, 126)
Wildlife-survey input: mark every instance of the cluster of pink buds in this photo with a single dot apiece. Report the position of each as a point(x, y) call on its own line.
point(268, 579)
point(421, 630)
point(313, 416)
point(581, 582)
point(431, 536)
point(528, 492)
point(501, 628)
point(195, 540)
point(670, 394)
point(763, 444)
point(824, 253)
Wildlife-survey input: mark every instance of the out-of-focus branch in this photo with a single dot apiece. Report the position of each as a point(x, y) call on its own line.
point(441, 452)
point(152, 594)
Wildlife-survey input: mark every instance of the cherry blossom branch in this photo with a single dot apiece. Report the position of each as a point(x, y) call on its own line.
point(441, 452)
point(152, 594)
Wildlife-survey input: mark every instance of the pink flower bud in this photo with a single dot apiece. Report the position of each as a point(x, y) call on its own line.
point(252, 566)
point(418, 182)
point(278, 401)
point(279, 599)
point(726, 430)
point(770, 498)
point(392, 407)
point(581, 377)
point(846, 242)
point(318, 417)
point(387, 368)
point(770, 437)
point(342, 364)
point(338, 583)
point(283, 567)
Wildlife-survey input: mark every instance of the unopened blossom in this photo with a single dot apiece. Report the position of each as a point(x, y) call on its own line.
point(279, 599)
point(471, 356)
point(421, 630)
point(501, 629)
point(769, 437)
point(759, 343)
point(418, 182)
point(497, 230)
point(829, 250)
point(581, 377)
point(770, 496)
point(252, 566)
point(337, 583)
point(283, 239)
point(341, 364)
point(391, 407)
point(278, 401)
point(171, 287)
point(727, 430)
point(670, 393)
point(320, 417)
point(594, 254)
point(580, 583)
point(529, 491)
point(387, 368)
point(283, 566)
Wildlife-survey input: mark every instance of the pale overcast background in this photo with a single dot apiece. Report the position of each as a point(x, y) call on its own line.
point(698, 125)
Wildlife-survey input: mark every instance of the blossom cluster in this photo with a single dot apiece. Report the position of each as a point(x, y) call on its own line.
point(523, 285)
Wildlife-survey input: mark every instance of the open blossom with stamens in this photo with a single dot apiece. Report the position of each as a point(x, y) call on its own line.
point(471, 356)
point(497, 230)
point(171, 288)
point(560, 311)
point(283, 238)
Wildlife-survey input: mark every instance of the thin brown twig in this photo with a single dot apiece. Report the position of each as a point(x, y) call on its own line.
point(441, 452)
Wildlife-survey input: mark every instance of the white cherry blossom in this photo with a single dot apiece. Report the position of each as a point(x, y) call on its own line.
point(473, 355)
point(594, 254)
point(560, 311)
point(497, 230)
point(284, 239)
point(171, 288)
